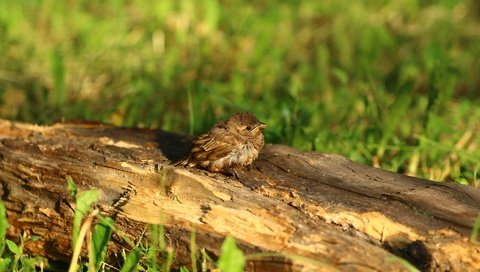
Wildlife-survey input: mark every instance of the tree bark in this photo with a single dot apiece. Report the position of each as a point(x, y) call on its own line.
point(323, 207)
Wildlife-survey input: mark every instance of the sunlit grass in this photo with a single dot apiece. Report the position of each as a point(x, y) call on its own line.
point(387, 83)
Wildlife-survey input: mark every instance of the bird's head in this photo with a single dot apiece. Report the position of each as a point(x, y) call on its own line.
point(246, 124)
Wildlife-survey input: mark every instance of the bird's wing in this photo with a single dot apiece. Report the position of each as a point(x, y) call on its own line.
point(213, 146)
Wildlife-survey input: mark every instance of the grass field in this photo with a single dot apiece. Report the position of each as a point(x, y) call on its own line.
point(393, 84)
point(389, 83)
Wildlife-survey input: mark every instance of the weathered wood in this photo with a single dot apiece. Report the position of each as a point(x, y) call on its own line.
point(319, 206)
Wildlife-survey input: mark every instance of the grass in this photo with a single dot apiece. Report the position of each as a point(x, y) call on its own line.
point(14, 259)
point(387, 83)
point(408, 266)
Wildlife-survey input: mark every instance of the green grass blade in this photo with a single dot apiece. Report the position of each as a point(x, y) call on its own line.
point(169, 260)
point(154, 247)
point(403, 262)
point(191, 111)
point(131, 261)
point(184, 269)
point(475, 230)
point(58, 75)
point(397, 111)
point(3, 227)
point(13, 247)
point(102, 233)
point(72, 188)
point(231, 257)
point(193, 251)
point(84, 201)
point(5, 264)
point(212, 14)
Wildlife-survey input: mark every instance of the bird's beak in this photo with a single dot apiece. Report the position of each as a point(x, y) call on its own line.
point(262, 125)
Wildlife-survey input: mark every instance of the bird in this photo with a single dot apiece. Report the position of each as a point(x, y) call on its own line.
point(228, 145)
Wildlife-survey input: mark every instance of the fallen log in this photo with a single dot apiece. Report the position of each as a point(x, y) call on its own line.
point(320, 206)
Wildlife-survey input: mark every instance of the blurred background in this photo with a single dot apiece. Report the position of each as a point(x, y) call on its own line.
point(389, 83)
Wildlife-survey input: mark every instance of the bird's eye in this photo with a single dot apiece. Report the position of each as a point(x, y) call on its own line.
point(249, 128)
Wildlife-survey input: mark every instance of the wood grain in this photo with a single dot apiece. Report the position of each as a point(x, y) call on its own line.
point(343, 215)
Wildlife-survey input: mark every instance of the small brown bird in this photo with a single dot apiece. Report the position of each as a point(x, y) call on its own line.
point(228, 145)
